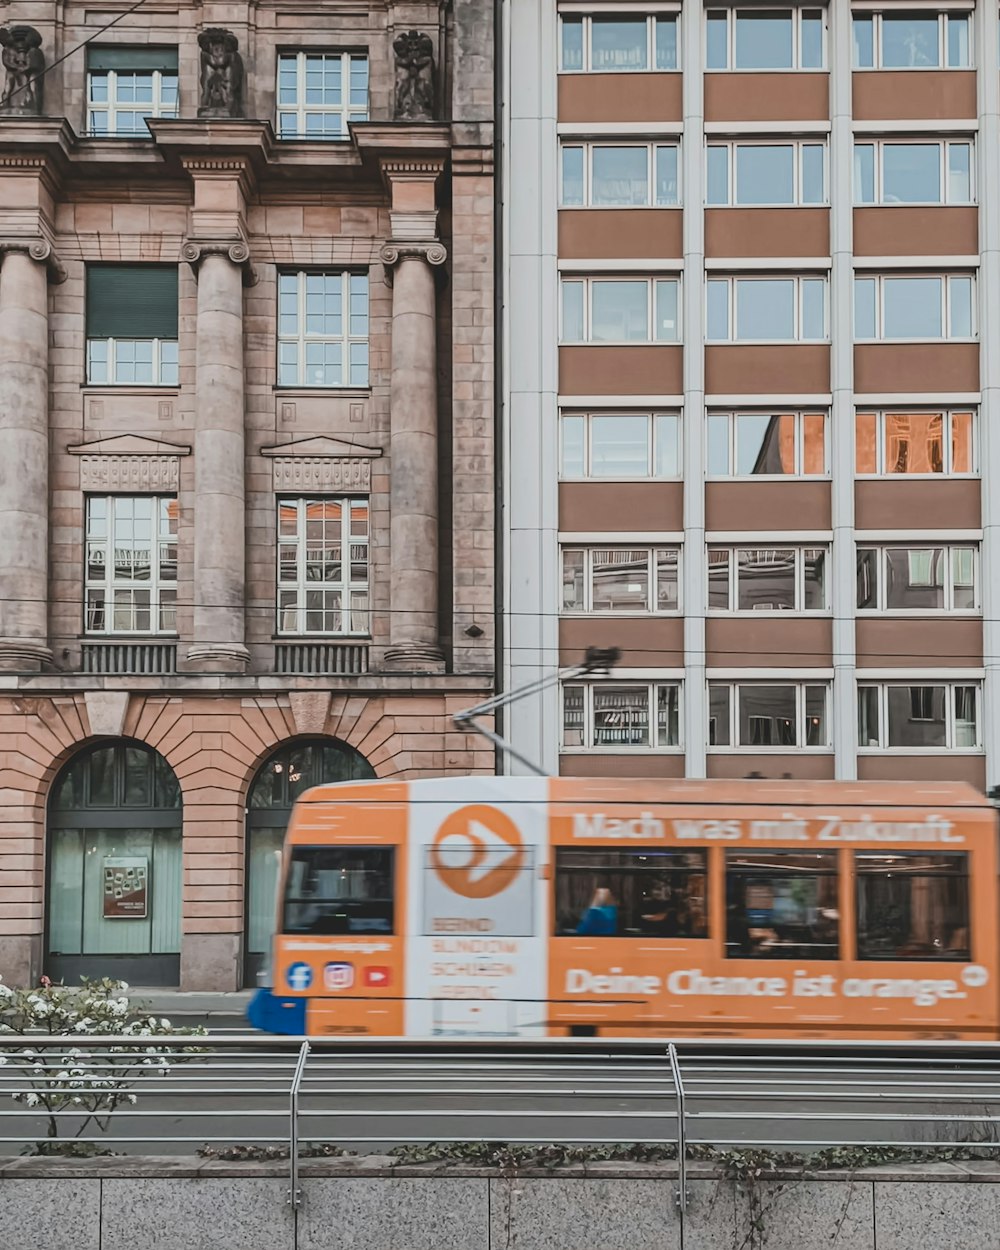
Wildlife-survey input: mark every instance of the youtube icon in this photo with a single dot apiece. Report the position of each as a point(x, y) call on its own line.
point(376, 978)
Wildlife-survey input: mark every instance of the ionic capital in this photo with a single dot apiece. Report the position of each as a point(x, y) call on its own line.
point(430, 251)
point(237, 251)
point(39, 249)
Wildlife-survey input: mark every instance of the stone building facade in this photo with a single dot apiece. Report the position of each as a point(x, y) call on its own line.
point(246, 491)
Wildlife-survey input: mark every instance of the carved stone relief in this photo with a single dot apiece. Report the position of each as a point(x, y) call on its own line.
point(24, 63)
point(414, 76)
point(221, 74)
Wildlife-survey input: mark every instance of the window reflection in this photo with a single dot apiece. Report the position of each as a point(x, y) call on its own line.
point(339, 890)
point(649, 893)
point(912, 906)
point(782, 905)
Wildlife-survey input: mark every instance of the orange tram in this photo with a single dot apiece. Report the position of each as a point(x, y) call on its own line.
point(533, 907)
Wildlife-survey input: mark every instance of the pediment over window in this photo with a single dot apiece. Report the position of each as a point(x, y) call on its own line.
point(129, 445)
point(321, 463)
point(129, 462)
point(321, 445)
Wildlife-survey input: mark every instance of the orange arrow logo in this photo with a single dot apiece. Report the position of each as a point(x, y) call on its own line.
point(477, 852)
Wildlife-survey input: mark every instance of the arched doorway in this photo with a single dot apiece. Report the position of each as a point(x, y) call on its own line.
point(283, 776)
point(114, 867)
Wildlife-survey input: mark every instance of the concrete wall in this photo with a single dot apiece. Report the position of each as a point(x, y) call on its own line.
point(365, 1204)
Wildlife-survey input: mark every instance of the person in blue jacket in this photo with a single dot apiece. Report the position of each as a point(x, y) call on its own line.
point(601, 917)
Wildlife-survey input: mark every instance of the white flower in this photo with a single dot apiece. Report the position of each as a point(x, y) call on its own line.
point(3, 1060)
point(164, 1022)
point(131, 1099)
point(32, 1099)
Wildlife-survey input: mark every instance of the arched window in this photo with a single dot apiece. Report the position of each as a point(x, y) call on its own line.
point(283, 776)
point(114, 867)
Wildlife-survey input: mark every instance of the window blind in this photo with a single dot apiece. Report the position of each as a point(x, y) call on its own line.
point(131, 59)
point(131, 302)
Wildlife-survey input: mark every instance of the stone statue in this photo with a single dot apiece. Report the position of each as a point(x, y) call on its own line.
point(414, 77)
point(24, 62)
point(221, 74)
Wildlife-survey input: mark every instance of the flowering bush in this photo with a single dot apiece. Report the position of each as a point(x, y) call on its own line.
point(88, 1083)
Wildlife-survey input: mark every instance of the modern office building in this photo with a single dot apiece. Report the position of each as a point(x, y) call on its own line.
point(246, 420)
point(751, 370)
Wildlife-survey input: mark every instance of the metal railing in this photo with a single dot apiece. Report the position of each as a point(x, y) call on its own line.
point(300, 1096)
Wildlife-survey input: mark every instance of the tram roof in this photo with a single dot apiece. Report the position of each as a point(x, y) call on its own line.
point(586, 790)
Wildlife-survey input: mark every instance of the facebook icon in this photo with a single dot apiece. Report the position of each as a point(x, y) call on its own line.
point(299, 976)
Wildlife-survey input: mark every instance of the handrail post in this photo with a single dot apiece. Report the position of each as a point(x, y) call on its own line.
point(682, 1190)
point(294, 1199)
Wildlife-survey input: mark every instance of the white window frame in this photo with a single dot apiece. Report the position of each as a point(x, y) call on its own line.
point(797, 145)
point(731, 282)
point(950, 685)
point(799, 550)
point(587, 148)
point(796, 67)
point(734, 686)
point(588, 289)
point(947, 573)
point(946, 284)
point(942, 16)
point(947, 415)
point(944, 147)
point(652, 607)
point(301, 339)
point(164, 366)
point(799, 415)
point(110, 584)
point(609, 11)
point(113, 106)
point(347, 586)
point(591, 747)
point(652, 447)
point(345, 112)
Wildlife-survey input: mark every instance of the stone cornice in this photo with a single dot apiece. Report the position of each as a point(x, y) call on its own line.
point(215, 148)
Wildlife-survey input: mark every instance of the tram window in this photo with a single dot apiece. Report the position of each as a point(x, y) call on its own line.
point(782, 905)
point(912, 905)
point(339, 890)
point(613, 893)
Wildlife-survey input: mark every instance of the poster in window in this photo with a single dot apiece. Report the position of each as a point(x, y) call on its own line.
point(126, 887)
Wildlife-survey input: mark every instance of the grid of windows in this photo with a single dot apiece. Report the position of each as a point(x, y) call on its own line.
point(766, 173)
point(914, 306)
point(620, 579)
point(917, 444)
point(766, 310)
point(620, 310)
point(131, 571)
point(767, 579)
point(915, 172)
point(323, 566)
point(908, 578)
point(915, 40)
point(322, 329)
point(764, 715)
point(765, 39)
point(320, 93)
point(620, 445)
point(934, 716)
point(767, 444)
point(618, 175)
point(621, 716)
point(617, 43)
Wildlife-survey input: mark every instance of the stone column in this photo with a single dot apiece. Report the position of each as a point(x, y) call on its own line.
point(219, 511)
point(413, 446)
point(24, 455)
